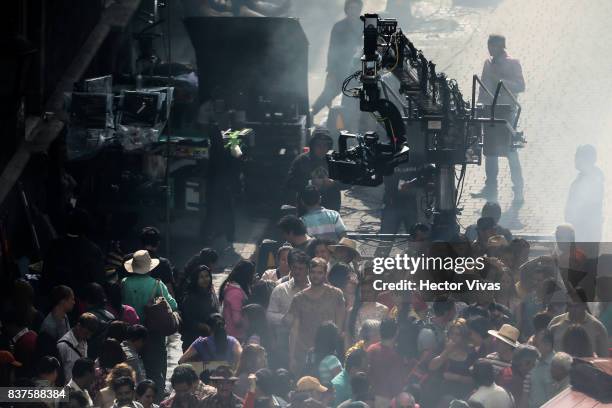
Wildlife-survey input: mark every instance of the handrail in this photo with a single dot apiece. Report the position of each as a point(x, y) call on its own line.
point(474, 80)
point(501, 85)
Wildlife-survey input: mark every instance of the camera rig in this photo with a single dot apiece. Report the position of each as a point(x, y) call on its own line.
point(427, 122)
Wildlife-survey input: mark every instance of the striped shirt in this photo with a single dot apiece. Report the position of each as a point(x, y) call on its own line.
point(324, 224)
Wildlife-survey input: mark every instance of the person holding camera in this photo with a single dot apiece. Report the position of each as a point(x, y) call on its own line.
point(310, 168)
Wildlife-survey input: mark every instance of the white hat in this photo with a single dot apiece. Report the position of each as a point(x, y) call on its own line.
point(141, 263)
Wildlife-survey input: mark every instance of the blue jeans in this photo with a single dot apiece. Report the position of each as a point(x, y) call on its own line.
point(516, 173)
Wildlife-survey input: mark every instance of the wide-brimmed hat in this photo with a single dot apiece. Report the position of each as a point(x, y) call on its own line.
point(141, 263)
point(508, 334)
point(222, 373)
point(348, 244)
point(309, 384)
point(6, 357)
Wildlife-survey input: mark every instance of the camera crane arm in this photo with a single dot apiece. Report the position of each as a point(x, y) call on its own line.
point(386, 48)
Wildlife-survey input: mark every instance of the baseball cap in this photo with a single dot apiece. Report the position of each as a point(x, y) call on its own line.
point(310, 384)
point(6, 357)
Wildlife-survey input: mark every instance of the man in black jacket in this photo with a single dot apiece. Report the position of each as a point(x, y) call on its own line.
point(311, 168)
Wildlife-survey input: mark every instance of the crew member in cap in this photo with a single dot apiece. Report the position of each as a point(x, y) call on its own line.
point(312, 387)
point(311, 168)
point(506, 340)
point(223, 380)
point(137, 290)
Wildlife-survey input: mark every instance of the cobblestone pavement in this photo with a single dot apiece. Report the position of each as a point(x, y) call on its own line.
point(566, 63)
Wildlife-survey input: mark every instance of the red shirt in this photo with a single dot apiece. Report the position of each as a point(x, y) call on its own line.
point(386, 370)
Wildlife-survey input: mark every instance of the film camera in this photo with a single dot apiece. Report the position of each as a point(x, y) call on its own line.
point(365, 163)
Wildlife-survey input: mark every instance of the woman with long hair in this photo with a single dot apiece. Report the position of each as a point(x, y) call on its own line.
point(455, 361)
point(207, 257)
point(323, 360)
point(233, 294)
point(253, 358)
point(199, 303)
point(216, 349)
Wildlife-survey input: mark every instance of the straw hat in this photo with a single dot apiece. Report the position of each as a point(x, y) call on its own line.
point(346, 244)
point(508, 334)
point(141, 263)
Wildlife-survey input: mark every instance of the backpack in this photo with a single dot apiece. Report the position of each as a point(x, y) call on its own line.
point(158, 315)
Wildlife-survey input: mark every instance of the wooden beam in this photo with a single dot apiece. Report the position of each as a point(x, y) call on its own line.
point(40, 136)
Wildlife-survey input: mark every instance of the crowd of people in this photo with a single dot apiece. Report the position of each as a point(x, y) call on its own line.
point(311, 330)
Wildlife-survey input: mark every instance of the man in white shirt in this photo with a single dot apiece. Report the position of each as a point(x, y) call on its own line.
point(73, 345)
point(83, 377)
point(282, 296)
point(487, 393)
